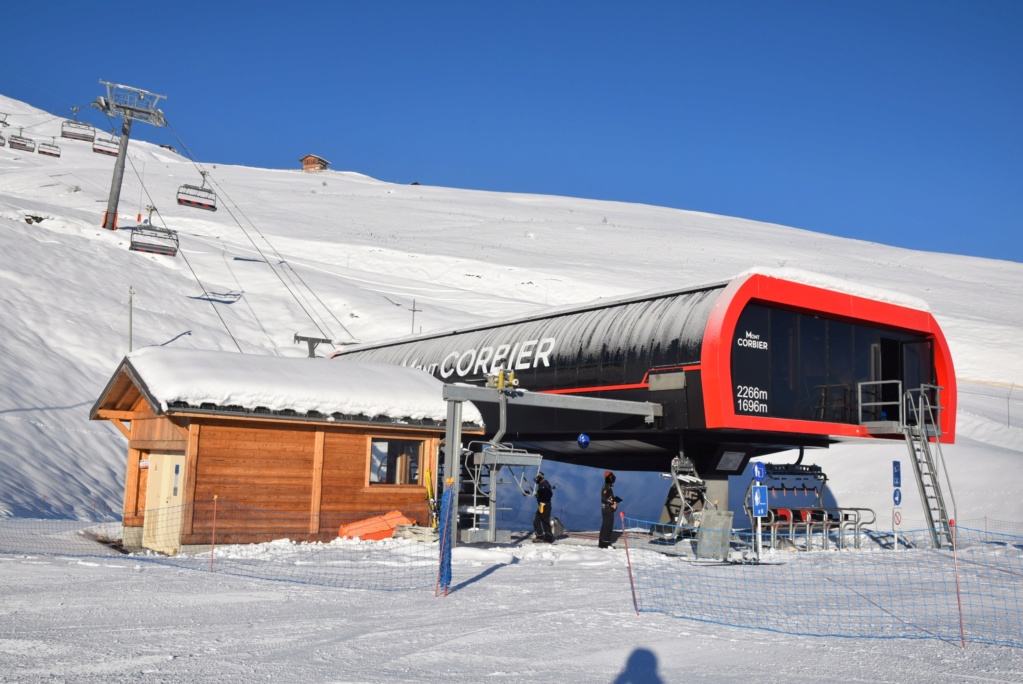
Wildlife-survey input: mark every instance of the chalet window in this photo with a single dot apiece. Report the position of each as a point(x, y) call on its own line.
point(394, 461)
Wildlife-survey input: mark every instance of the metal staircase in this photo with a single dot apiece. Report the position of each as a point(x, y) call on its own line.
point(922, 428)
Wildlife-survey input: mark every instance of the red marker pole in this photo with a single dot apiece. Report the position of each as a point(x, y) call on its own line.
point(628, 560)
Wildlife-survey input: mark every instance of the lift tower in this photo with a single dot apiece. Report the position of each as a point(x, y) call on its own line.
point(129, 104)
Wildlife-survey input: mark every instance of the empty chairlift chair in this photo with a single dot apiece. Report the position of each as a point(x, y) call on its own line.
point(50, 149)
point(3, 141)
point(77, 130)
point(200, 197)
point(153, 240)
point(104, 146)
point(19, 142)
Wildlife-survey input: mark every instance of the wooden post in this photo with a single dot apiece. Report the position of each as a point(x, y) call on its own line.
point(191, 465)
point(317, 487)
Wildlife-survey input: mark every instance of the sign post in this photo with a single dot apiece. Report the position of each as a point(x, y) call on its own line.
point(759, 496)
point(897, 498)
point(759, 501)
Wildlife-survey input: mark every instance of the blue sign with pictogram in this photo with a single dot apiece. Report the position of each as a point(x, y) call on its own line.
point(759, 500)
point(896, 474)
point(759, 471)
point(897, 496)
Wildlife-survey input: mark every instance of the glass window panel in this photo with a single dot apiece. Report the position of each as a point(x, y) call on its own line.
point(394, 461)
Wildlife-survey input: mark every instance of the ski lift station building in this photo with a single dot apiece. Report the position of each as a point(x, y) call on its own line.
point(769, 361)
point(288, 446)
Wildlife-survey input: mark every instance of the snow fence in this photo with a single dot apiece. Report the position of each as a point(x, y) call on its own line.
point(382, 550)
point(863, 585)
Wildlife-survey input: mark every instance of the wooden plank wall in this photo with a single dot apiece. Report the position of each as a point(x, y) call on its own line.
point(346, 487)
point(303, 480)
point(256, 465)
point(158, 429)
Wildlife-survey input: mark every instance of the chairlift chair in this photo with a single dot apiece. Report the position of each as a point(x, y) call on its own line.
point(200, 197)
point(104, 146)
point(77, 130)
point(153, 240)
point(50, 149)
point(19, 142)
point(3, 141)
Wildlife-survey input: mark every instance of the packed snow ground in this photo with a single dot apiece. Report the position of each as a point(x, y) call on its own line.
point(539, 613)
point(345, 256)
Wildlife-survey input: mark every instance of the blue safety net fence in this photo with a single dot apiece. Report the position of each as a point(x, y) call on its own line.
point(383, 550)
point(852, 583)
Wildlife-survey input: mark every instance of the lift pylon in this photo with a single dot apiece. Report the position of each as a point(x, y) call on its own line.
point(130, 104)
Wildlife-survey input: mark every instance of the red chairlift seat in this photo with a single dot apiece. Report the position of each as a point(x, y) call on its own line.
point(49, 149)
point(104, 146)
point(77, 130)
point(152, 240)
point(198, 197)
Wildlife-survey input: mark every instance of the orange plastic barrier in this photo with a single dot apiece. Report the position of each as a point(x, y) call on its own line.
point(377, 527)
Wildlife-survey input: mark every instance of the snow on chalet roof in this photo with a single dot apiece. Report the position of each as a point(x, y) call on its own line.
point(250, 381)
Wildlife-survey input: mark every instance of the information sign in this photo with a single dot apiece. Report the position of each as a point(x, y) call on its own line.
point(759, 501)
point(759, 471)
point(896, 474)
point(897, 497)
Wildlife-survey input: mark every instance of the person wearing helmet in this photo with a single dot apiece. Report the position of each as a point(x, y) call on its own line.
point(542, 519)
point(608, 505)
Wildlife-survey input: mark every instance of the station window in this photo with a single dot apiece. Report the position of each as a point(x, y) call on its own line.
point(788, 364)
point(394, 461)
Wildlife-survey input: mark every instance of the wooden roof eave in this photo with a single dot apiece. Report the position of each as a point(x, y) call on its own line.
point(467, 428)
point(101, 411)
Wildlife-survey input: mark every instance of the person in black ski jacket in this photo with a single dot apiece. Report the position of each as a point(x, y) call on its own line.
point(542, 519)
point(608, 505)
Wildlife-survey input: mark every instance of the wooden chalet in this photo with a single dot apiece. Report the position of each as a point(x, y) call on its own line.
point(311, 162)
point(276, 447)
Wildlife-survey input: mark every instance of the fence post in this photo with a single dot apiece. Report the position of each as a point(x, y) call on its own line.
point(447, 512)
point(628, 561)
point(213, 534)
point(959, 595)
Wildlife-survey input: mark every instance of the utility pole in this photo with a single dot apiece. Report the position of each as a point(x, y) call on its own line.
point(129, 104)
point(414, 310)
point(131, 295)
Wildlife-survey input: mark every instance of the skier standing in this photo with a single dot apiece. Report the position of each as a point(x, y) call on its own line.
point(608, 505)
point(542, 519)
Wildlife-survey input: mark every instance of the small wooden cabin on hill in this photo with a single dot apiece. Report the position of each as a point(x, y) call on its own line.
point(311, 162)
point(280, 446)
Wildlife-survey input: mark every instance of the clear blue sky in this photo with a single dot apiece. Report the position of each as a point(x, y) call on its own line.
point(897, 122)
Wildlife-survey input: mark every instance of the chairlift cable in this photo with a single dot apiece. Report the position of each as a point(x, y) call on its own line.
point(317, 298)
point(184, 257)
point(290, 272)
point(262, 255)
point(223, 194)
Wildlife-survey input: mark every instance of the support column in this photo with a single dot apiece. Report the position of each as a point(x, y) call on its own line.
point(110, 220)
point(452, 453)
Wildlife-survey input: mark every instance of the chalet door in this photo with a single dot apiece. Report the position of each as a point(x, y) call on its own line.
point(161, 530)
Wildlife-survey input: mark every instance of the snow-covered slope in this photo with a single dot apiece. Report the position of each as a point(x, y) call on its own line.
point(344, 256)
